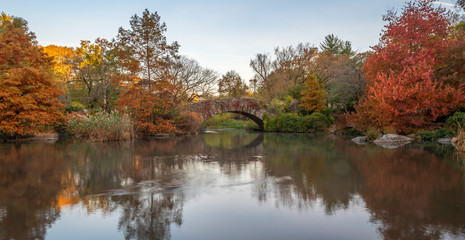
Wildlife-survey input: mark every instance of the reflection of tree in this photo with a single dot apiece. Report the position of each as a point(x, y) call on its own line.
point(150, 215)
point(95, 165)
point(412, 193)
point(141, 176)
point(30, 180)
point(316, 170)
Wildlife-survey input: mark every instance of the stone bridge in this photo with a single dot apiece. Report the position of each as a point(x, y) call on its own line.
point(251, 108)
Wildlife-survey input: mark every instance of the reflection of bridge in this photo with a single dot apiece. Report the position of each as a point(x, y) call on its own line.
point(251, 108)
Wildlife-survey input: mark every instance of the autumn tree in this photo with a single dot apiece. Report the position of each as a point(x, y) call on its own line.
point(285, 72)
point(28, 95)
point(62, 63)
point(63, 71)
point(403, 91)
point(95, 68)
point(452, 69)
point(313, 97)
point(152, 109)
point(231, 85)
point(341, 75)
point(192, 81)
point(143, 50)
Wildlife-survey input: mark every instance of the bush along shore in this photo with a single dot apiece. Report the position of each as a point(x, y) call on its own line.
point(451, 132)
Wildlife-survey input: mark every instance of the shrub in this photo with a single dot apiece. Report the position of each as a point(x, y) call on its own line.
point(373, 134)
point(442, 133)
point(438, 133)
point(426, 135)
point(318, 121)
point(101, 126)
point(456, 121)
point(188, 122)
point(291, 122)
point(350, 131)
point(276, 106)
point(269, 123)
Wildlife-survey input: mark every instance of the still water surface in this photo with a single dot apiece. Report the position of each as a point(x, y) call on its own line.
point(231, 185)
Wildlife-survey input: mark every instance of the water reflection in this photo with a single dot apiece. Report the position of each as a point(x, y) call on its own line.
point(30, 181)
point(413, 192)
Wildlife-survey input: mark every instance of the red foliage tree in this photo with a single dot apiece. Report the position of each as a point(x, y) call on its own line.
point(403, 91)
point(151, 108)
point(28, 95)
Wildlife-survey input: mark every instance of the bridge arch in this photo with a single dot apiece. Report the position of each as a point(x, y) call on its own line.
point(249, 107)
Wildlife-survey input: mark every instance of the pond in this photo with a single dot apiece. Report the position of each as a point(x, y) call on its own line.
point(231, 185)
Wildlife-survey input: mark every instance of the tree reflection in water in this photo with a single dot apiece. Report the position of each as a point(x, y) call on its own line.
point(150, 215)
point(30, 180)
point(410, 192)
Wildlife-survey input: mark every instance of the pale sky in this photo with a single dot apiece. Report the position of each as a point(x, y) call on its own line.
point(221, 35)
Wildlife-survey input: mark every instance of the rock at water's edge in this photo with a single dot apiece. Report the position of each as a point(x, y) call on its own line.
point(393, 138)
point(360, 140)
point(392, 141)
point(445, 141)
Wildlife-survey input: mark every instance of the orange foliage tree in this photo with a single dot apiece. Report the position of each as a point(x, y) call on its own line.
point(28, 95)
point(403, 91)
point(313, 97)
point(152, 108)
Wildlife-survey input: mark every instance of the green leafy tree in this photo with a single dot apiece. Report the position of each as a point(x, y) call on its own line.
point(314, 97)
point(95, 68)
point(143, 49)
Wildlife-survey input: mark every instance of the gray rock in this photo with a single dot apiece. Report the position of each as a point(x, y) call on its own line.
point(392, 141)
point(393, 138)
point(445, 141)
point(360, 140)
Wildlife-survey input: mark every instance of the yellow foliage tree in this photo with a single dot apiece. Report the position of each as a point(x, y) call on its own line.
point(313, 97)
point(63, 65)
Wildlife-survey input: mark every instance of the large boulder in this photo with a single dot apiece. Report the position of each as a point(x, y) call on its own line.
point(392, 141)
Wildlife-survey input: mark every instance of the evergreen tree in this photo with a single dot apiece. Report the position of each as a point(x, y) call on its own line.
point(314, 97)
point(143, 49)
point(335, 46)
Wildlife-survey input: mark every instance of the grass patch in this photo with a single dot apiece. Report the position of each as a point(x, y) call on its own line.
point(101, 126)
point(292, 122)
point(230, 120)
